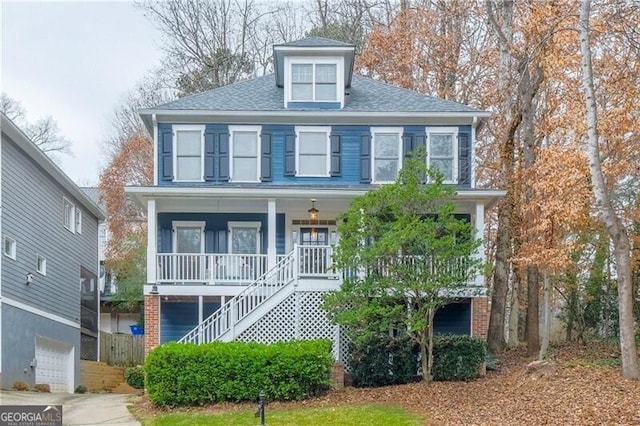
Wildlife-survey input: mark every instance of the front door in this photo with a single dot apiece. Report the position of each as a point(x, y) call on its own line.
point(189, 245)
point(314, 260)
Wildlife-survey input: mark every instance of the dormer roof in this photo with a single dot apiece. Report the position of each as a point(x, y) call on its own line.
point(314, 46)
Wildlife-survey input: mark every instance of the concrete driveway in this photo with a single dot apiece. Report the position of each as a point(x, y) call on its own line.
point(86, 409)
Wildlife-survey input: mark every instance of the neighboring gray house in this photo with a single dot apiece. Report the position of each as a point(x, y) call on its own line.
point(48, 268)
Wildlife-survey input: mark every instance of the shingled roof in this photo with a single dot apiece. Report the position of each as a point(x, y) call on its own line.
point(364, 95)
point(315, 42)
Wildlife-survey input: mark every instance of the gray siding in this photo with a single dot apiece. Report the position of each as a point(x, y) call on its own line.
point(19, 331)
point(32, 214)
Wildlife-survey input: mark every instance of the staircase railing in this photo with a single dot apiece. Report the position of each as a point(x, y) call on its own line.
point(234, 310)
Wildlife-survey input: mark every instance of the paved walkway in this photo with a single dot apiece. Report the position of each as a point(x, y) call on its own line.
point(86, 409)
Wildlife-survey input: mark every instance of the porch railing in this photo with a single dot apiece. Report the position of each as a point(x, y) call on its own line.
point(210, 268)
point(316, 261)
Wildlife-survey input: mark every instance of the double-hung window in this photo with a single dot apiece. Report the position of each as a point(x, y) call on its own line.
point(314, 82)
point(68, 215)
point(41, 265)
point(245, 153)
point(312, 147)
point(387, 150)
point(442, 151)
point(9, 248)
point(188, 148)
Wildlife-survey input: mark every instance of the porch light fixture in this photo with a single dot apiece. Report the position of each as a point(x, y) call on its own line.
point(29, 278)
point(313, 212)
point(154, 289)
point(294, 237)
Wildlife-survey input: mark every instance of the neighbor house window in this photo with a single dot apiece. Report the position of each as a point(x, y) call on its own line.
point(314, 82)
point(9, 247)
point(69, 215)
point(386, 158)
point(188, 164)
point(78, 221)
point(245, 149)
point(442, 151)
point(312, 147)
point(41, 265)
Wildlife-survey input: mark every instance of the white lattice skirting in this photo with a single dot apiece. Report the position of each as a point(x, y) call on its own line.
point(299, 316)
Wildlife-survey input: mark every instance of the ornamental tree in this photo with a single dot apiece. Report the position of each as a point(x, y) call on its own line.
point(406, 255)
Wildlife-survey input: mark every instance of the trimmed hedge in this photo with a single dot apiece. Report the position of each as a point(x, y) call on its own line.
point(457, 357)
point(382, 360)
point(190, 374)
point(134, 376)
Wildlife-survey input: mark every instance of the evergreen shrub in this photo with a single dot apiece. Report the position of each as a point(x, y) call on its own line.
point(190, 374)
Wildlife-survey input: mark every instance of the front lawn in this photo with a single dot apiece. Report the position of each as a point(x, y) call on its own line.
point(345, 415)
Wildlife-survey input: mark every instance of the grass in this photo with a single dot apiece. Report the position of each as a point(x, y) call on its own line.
point(347, 415)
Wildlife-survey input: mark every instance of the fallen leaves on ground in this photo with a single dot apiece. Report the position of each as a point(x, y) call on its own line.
point(585, 388)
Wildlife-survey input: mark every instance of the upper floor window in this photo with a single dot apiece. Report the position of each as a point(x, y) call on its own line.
point(41, 265)
point(245, 149)
point(314, 82)
point(312, 151)
point(442, 151)
point(188, 148)
point(9, 247)
point(78, 221)
point(68, 215)
point(387, 149)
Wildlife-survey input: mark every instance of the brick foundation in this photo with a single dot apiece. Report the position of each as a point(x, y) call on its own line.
point(337, 376)
point(480, 316)
point(151, 322)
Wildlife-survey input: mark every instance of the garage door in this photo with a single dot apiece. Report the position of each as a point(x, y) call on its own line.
point(54, 364)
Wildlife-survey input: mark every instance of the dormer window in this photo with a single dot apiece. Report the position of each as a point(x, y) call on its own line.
point(314, 80)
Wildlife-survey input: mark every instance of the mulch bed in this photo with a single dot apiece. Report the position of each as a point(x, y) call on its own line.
point(583, 386)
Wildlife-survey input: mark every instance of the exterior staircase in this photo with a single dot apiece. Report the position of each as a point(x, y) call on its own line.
point(243, 310)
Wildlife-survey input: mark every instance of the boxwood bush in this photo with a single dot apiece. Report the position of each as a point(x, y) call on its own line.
point(134, 377)
point(457, 357)
point(189, 374)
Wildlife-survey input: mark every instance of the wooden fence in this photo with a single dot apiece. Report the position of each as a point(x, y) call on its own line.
point(123, 350)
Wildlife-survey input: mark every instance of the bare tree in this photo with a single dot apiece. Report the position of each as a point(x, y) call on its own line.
point(608, 215)
point(44, 132)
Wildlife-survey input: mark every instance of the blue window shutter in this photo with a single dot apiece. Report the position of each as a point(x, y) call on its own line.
point(209, 240)
point(166, 142)
point(265, 160)
point(365, 159)
point(464, 159)
point(209, 155)
point(221, 241)
point(407, 145)
point(223, 157)
point(336, 156)
point(419, 140)
point(290, 155)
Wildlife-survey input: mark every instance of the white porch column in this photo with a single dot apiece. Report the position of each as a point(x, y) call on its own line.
point(271, 236)
point(152, 246)
point(480, 235)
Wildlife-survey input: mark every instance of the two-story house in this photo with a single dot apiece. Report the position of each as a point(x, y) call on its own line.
point(48, 268)
point(249, 181)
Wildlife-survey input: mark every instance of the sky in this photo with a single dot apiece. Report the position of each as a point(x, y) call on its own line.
point(75, 61)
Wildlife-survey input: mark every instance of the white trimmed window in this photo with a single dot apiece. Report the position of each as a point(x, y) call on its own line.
point(188, 164)
point(41, 265)
point(68, 215)
point(442, 151)
point(245, 153)
point(312, 151)
point(387, 153)
point(314, 79)
point(9, 247)
point(78, 221)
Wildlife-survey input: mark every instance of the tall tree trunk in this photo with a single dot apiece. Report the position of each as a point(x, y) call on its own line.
point(495, 335)
point(605, 208)
point(546, 330)
point(533, 320)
